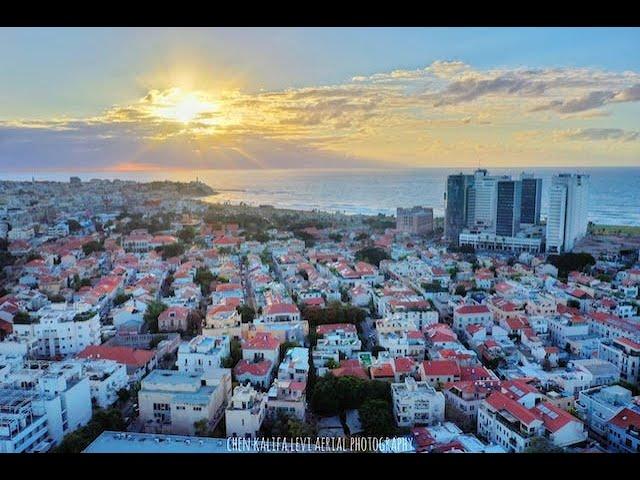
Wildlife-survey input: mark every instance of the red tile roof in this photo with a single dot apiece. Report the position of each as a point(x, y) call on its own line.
point(404, 365)
point(258, 369)
point(557, 420)
point(437, 368)
point(261, 341)
point(472, 309)
point(382, 371)
point(280, 308)
point(626, 418)
point(500, 401)
point(331, 327)
point(350, 368)
point(125, 355)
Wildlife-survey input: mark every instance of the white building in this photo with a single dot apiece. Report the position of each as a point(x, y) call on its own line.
point(202, 353)
point(61, 330)
point(416, 403)
point(624, 354)
point(25, 417)
point(471, 315)
point(54, 395)
point(340, 338)
point(287, 397)
point(246, 412)
point(567, 218)
point(172, 401)
point(106, 378)
point(504, 421)
point(596, 406)
point(295, 365)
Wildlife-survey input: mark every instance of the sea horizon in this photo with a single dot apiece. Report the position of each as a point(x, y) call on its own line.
point(613, 195)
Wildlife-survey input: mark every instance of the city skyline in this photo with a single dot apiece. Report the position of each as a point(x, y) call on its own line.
point(179, 99)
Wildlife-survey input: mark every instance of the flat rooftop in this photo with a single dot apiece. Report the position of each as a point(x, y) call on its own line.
point(125, 442)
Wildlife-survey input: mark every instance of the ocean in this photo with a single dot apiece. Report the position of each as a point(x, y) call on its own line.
point(614, 195)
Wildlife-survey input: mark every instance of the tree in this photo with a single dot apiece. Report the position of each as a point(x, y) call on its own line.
point(204, 277)
point(235, 354)
point(432, 287)
point(569, 262)
point(187, 234)
point(120, 299)
point(56, 298)
point(92, 246)
point(22, 318)
point(287, 346)
point(372, 255)
point(542, 445)
point(573, 303)
point(247, 314)
point(460, 290)
point(324, 400)
point(376, 418)
point(331, 364)
point(201, 428)
point(74, 226)
point(102, 420)
point(298, 429)
point(154, 309)
point(124, 394)
point(171, 250)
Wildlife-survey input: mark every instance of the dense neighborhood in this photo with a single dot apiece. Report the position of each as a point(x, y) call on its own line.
point(138, 317)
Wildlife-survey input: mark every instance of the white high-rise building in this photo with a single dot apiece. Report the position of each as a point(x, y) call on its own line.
point(567, 219)
point(485, 195)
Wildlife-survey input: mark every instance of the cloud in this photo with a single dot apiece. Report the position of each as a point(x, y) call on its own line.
point(443, 112)
point(598, 134)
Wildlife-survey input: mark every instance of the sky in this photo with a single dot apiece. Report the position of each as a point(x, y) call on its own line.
point(136, 99)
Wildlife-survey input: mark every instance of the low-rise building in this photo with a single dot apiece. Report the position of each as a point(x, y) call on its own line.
point(202, 353)
point(246, 412)
point(172, 402)
point(624, 353)
point(416, 403)
point(505, 421)
point(287, 397)
point(624, 431)
point(471, 315)
point(596, 406)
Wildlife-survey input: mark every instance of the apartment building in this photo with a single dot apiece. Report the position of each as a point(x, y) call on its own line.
point(246, 412)
point(341, 338)
point(106, 379)
point(294, 365)
point(510, 424)
point(625, 355)
point(466, 315)
point(25, 418)
point(624, 431)
point(203, 353)
point(59, 391)
point(414, 221)
point(416, 403)
point(287, 397)
point(410, 344)
point(61, 330)
point(223, 319)
point(596, 406)
point(172, 402)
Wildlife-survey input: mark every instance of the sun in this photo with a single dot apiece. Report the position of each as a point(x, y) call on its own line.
point(184, 107)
